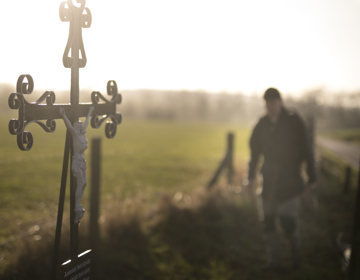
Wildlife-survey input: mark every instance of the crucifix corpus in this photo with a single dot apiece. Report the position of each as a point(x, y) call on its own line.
point(76, 143)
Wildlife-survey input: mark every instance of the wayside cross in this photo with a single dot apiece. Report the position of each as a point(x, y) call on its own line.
point(45, 111)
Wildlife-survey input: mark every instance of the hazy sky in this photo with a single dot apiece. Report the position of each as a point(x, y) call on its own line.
point(212, 45)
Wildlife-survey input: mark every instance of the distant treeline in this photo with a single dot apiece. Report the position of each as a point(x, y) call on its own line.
point(332, 111)
point(190, 106)
point(336, 110)
point(327, 111)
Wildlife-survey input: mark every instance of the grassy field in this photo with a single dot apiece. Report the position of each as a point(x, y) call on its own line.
point(158, 222)
point(145, 158)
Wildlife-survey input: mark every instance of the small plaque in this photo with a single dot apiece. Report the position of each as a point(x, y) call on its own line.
point(78, 269)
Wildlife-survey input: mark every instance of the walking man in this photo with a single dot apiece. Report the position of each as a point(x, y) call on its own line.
point(283, 140)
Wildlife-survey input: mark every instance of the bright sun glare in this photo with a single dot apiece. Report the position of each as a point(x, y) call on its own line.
point(214, 45)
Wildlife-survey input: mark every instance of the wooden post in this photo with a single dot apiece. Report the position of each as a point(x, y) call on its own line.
point(354, 267)
point(230, 159)
point(95, 193)
point(227, 162)
point(347, 180)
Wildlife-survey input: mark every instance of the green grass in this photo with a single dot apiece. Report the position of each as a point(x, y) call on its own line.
point(145, 158)
point(158, 222)
point(214, 235)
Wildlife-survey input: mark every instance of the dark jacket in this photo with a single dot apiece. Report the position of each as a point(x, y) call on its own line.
point(285, 145)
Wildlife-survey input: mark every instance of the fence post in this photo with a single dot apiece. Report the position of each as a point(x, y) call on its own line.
point(354, 266)
point(227, 162)
point(230, 159)
point(347, 179)
point(95, 193)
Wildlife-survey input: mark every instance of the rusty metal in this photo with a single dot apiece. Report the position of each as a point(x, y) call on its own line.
point(45, 111)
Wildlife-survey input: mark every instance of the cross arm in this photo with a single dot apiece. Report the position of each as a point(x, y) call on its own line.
point(36, 112)
point(106, 109)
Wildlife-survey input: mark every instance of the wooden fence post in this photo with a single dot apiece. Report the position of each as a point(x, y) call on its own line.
point(227, 162)
point(354, 266)
point(230, 160)
point(95, 193)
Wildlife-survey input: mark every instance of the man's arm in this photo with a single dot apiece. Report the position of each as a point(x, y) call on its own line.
point(91, 109)
point(255, 152)
point(308, 151)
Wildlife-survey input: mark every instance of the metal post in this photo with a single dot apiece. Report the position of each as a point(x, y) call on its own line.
point(95, 193)
point(61, 206)
point(74, 99)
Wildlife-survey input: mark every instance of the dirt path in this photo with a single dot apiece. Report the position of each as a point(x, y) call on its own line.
point(350, 153)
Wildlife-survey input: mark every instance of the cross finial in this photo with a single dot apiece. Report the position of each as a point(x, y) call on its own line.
point(79, 17)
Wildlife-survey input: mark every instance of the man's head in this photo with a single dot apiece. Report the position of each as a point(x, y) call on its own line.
point(273, 102)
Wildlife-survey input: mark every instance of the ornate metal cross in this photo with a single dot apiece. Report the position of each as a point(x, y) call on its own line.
point(45, 109)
